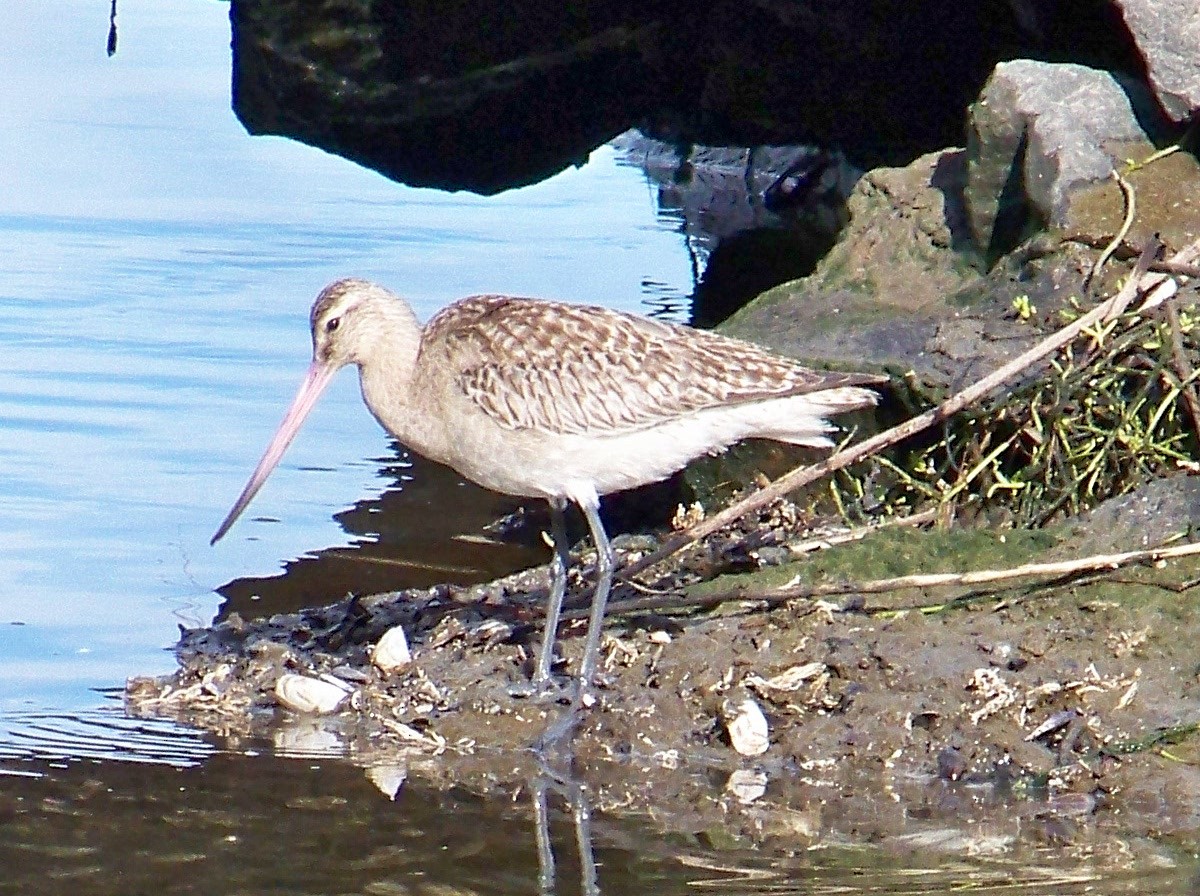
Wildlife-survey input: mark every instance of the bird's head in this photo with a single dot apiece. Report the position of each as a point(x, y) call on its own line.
point(350, 321)
point(347, 319)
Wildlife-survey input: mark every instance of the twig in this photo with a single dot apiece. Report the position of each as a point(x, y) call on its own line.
point(982, 576)
point(1126, 223)
point(804, 475)
point(1154, 156)
point(1059, 570)
point(1176, 267)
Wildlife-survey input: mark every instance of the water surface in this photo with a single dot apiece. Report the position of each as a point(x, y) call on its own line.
point(158, 268)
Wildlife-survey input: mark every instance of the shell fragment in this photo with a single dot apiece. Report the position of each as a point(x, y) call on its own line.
point(747, 727)
point(392, 653)
point(317, 696)
point(746, 785)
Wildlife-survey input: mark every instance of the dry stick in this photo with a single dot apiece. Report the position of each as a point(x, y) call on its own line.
point(783, 594)
point(986, 576)
point(804, 475)
point(1130, 210)
point(1176, 267)
point(665, 600)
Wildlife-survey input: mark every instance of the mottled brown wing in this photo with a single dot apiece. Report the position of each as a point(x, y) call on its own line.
point(580, 369)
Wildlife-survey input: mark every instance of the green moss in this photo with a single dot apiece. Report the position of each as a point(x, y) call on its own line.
point(899, 552)
point(1151, 591)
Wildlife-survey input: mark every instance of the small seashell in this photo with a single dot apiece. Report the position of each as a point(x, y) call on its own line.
point(789, 680)
point(388, 778)
point(748, 729)
point(310, 695)
point(747, 785)
point(392, 653)
point(490, 632)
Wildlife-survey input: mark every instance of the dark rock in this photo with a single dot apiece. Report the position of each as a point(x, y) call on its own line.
point(473, 96)
point(487, 96)
point(1167, 33)
point(1145, 518)
point(951, 764)
point(1030, 152)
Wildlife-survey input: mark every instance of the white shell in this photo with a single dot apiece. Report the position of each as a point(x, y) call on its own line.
point(310, 695)
point(388, 778)
point(747, 785)
point(748, 729)
point(789, 679)
point(392, 653)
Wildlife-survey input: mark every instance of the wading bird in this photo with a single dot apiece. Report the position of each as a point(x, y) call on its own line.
point(549, 400)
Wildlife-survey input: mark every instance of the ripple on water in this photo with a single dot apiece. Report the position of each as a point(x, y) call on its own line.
point(98, 734)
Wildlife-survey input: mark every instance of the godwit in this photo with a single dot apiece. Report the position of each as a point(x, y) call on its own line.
point(549, 400)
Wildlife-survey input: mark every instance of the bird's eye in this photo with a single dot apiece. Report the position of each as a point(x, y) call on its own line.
point(332, 324)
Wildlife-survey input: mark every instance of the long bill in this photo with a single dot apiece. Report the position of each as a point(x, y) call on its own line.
point(315, 381)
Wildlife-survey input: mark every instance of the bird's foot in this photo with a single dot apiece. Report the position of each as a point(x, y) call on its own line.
point(576, 699)
point(560, 733)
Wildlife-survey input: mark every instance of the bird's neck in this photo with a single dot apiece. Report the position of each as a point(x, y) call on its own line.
point(386, 368)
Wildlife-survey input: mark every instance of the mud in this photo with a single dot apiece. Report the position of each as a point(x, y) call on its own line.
point(975, 720)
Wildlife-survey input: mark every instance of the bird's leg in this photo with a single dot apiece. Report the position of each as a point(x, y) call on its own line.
point(558, 588)
point(605, 563)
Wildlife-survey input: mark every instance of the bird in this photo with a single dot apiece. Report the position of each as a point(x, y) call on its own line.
point(557, 401)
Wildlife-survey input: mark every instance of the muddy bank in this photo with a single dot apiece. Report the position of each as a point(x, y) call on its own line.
point(1048, 709)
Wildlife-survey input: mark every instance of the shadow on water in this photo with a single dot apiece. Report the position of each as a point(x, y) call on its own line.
point(427, 527)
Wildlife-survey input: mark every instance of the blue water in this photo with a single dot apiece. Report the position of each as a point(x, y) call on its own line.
point(157, 270)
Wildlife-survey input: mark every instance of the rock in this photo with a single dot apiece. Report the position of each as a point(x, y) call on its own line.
point(1150, 515)
point(877, 294)
point(521, 90)
point(1030, 151)
point(1167, 33)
